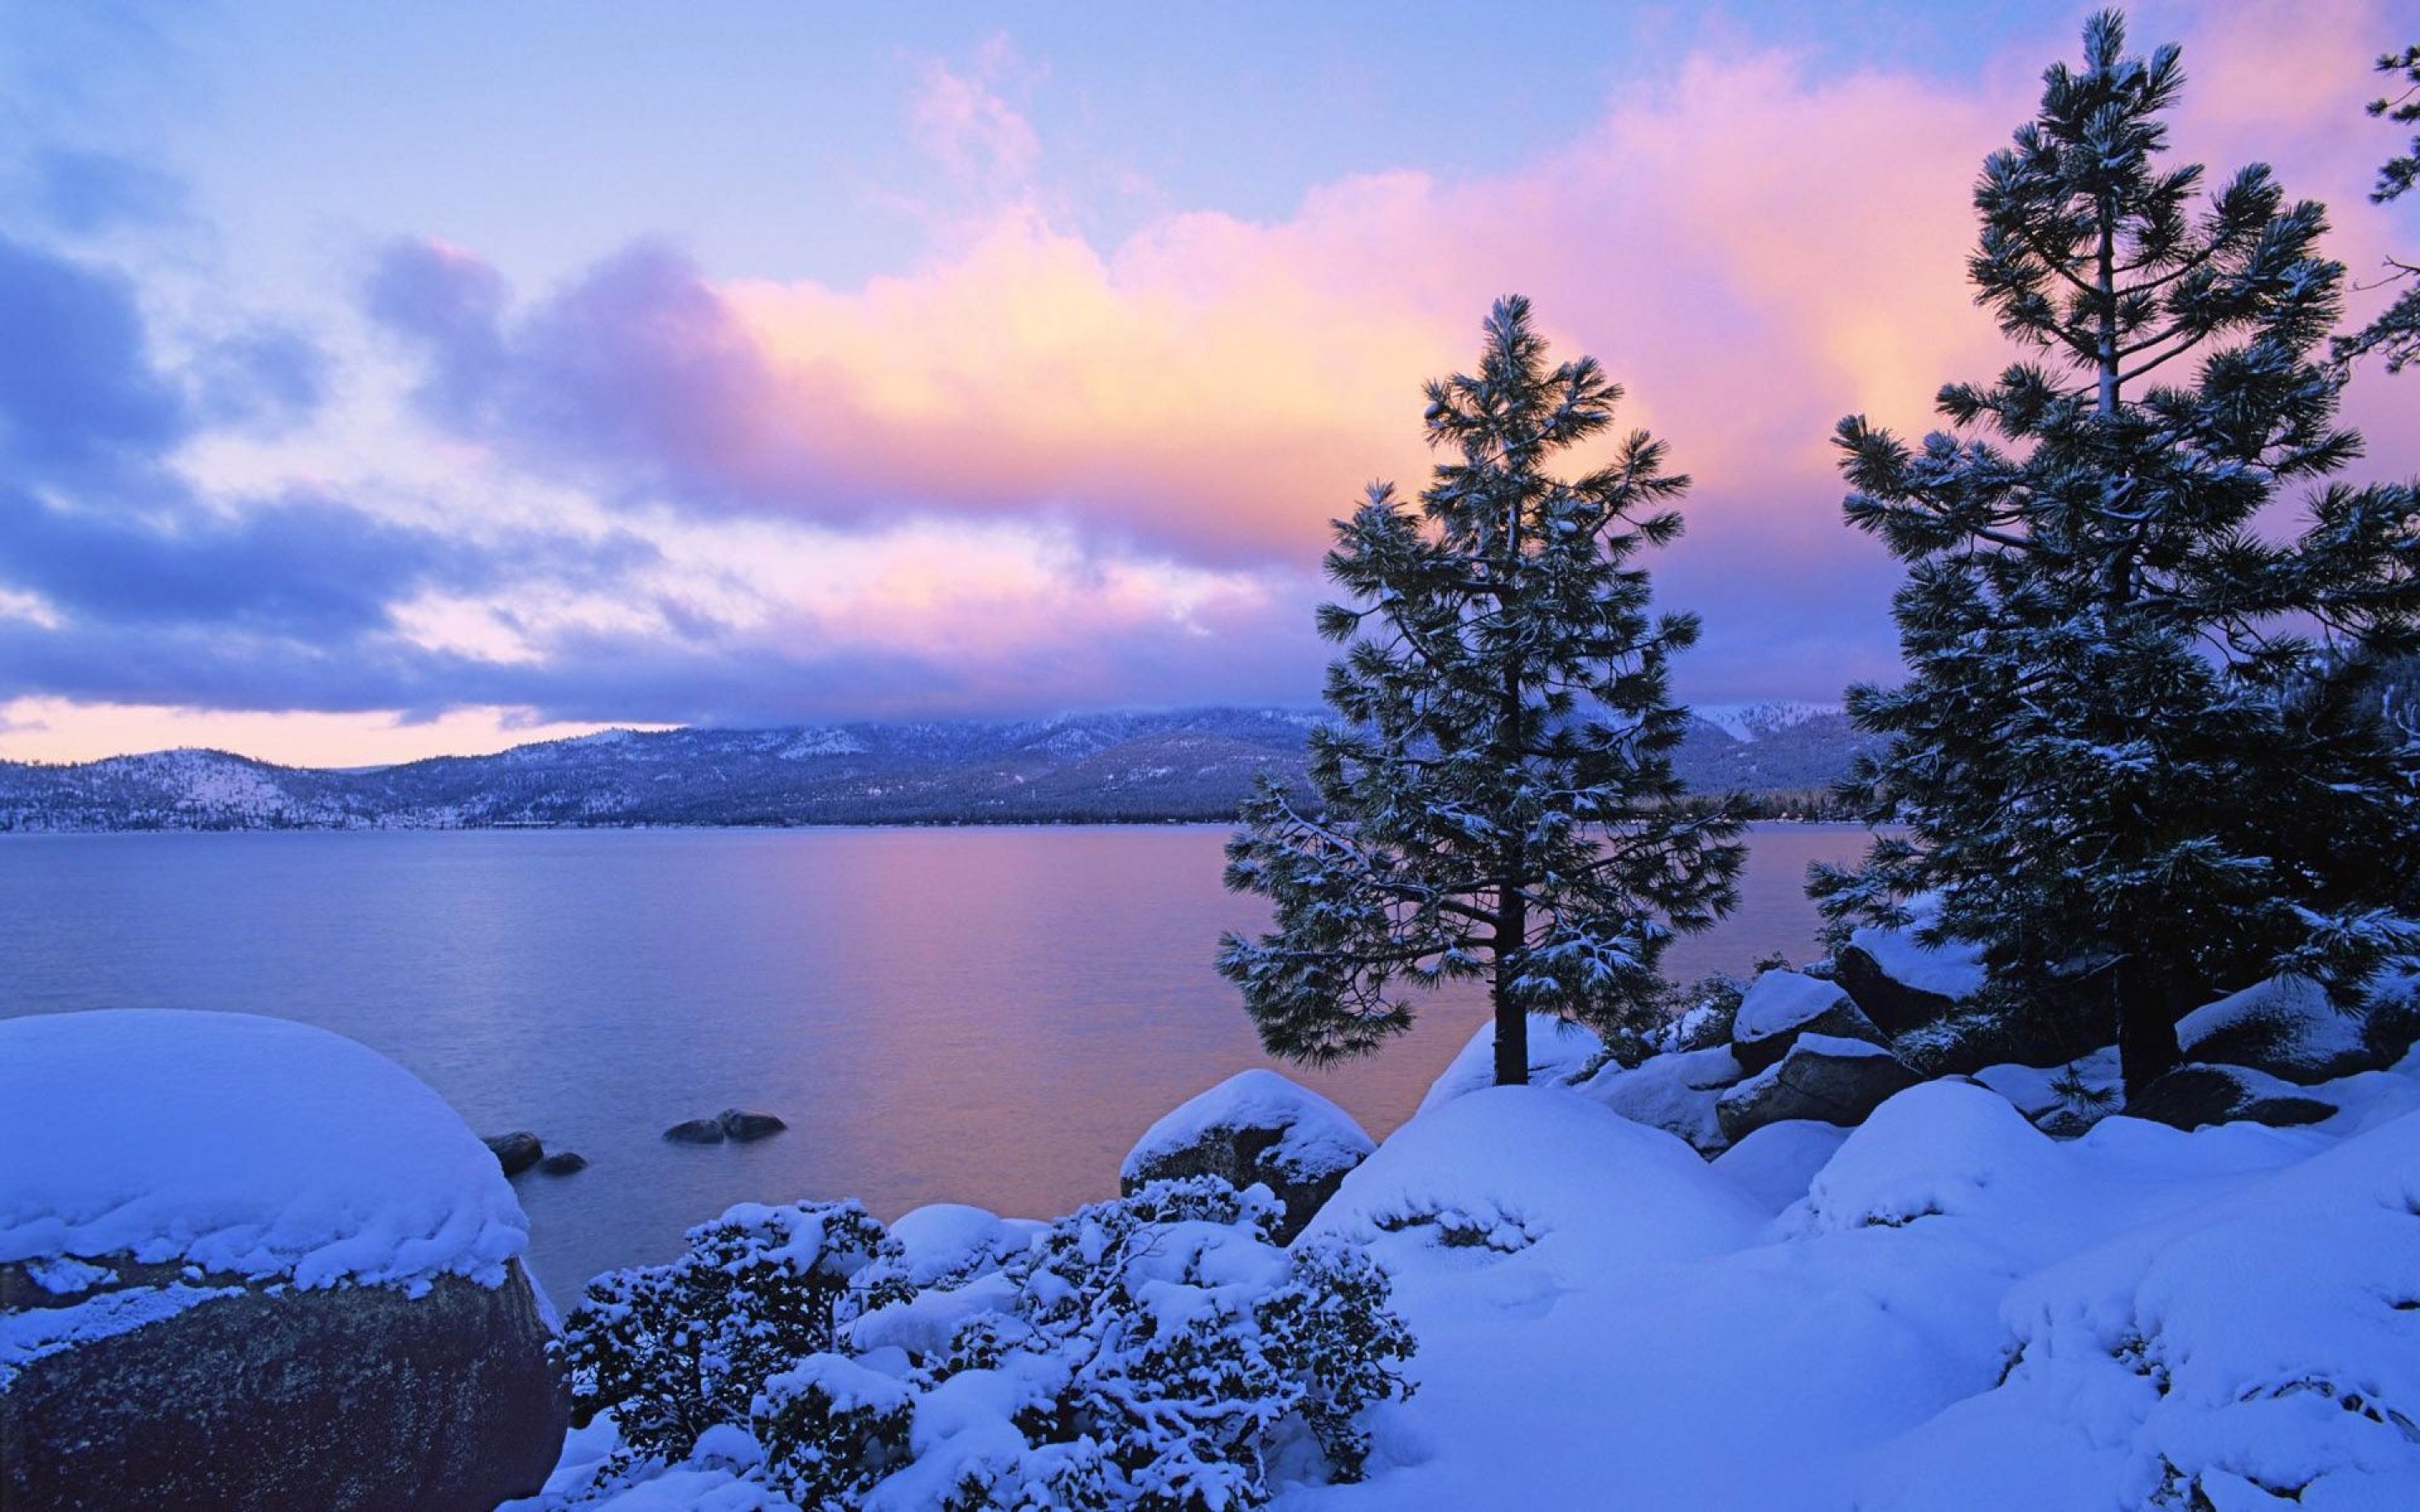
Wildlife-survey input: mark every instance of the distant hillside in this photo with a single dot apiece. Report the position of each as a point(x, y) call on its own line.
point(1093, 767)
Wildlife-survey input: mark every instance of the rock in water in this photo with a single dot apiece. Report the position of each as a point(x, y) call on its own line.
point(245, 1262)
point(563, 1162)
point(1254, 1126)
point(1779, 1006)
point(695, 1132)
point(516, 1152)
point(744, 1126)
point(1828, 1079)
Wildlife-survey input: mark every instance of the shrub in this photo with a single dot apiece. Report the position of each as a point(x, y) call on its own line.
point(673, 1349)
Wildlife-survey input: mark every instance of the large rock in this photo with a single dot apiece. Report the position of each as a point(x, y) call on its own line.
point(247, 1263)
point(1675, 1092)
point(1902, 983)
point(2194, 1096)
point(1254, 1126)
point(744, 1126)
point(1822, 1077)
point(245, 1394)
point(2285, 1027)
point(1779, 1006)
point(516, 1151)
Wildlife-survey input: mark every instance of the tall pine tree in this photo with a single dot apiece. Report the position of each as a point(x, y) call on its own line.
point(1495, 798)
point(2395, 333)
point(2135, 754)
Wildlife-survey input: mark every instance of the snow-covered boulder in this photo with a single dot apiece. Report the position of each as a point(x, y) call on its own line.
point(1254, 1126)
point(1674, 1092)
point(1779, 1006)
point(2261, 1351)
point(2194, 1096)
point(1902, 983)
point(1822, 1077)
point(2061, 1099)
point(247, 1262)
point(2284, 1026)
point(1508, 1170)
point(1559, 1051)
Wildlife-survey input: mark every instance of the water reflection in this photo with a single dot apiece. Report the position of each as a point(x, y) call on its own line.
point(986, 1015)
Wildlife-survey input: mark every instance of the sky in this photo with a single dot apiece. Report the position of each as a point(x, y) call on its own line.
point(381, 383)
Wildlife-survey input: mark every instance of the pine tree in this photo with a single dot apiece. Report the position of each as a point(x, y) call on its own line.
point(2395, 333)
point(1494, 799)
point(2135, 753)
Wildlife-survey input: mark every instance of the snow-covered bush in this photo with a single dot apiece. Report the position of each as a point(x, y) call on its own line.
point(674, 1349)
point(1161, 1352)
point(1156, 1352)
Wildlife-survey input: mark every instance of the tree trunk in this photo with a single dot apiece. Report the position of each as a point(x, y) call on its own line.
point(2146, 1023)
point(1512, 1018)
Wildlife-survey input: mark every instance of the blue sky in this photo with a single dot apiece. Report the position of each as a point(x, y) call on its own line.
point(429, 378)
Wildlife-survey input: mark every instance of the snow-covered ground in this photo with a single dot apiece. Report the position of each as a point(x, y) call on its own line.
point(1942, 1308)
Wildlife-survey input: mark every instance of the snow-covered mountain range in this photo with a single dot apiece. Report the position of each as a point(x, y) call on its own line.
point(1117, 767)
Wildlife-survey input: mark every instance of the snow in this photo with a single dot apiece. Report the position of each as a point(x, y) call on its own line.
point(242, 1146)
point(1467, 1176)
point(952, 1240)
point(1780, 1001)
point(1837, 1047)
point(1750, 722)
point(1775, 1163)
point(1848, 1349)
point(1560, 1050)
point(1318, 1136)
point(2036, 1092)
point(1953, 969)
point(1675, 1092)
point(2314, 1033)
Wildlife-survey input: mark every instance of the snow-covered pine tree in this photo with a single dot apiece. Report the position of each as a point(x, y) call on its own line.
point(2395, 333)
point(1495, 798)
point(2134, 754)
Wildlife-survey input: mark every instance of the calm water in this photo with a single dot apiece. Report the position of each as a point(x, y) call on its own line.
point(978, 1015)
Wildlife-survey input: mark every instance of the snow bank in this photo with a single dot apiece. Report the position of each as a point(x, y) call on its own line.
point(1510, 1168)
point(1318, 1136)
point(1775, 1163)
point(1560, 1050)
point(2260, 1351)
point(243, 1146)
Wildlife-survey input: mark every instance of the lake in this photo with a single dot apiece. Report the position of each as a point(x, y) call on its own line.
point(973, 1015)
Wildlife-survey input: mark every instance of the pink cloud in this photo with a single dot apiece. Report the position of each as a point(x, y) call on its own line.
point(1753, 252)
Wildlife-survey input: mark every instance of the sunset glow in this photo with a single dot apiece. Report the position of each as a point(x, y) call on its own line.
point(981, 398)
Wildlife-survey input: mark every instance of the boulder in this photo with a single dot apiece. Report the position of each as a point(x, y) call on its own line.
point(563, 1162)
point(744, 1126)
point(1894, 1006)
point(1902, 983)
point(2285, 1027)
point(1779, 1006)
point(255, 1394)
point(1675, 1091)
point(1254, 1126)
point(2194, 1095)
point(516, 1152)
point(696, 1132)
point(245, 1262)
point(1822, 1077)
